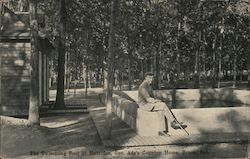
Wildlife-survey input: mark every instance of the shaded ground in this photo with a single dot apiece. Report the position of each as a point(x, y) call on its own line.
point(60, 133)
point(75, 136)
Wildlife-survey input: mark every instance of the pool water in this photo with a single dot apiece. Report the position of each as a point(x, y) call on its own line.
point(203, 104)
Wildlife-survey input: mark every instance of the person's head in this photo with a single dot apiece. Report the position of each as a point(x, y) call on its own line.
point(149, 76)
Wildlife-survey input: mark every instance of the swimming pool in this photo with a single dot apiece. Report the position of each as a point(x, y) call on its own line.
point(181, 104)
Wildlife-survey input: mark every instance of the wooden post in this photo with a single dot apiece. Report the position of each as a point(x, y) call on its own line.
point(40, 77)
point(44, 78)
point(47, 79)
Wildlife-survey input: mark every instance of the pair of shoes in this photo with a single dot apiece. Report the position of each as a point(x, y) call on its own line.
point(175, 125)
point(163, 133)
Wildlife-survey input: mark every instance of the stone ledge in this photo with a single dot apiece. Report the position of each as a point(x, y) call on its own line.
point(224, 94)
point(226, 119)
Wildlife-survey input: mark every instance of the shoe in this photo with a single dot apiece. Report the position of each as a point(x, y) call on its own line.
point(163, 133)
point(175, 125)
point(166, 133)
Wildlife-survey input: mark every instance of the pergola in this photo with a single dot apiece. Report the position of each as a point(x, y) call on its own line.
point(15, 63)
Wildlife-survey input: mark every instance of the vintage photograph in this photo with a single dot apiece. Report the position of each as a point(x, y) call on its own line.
point(124, 79)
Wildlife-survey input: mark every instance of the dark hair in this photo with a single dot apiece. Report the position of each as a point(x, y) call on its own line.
point(148, 74)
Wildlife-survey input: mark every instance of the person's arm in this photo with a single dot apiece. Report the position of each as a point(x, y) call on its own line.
point(146, 96)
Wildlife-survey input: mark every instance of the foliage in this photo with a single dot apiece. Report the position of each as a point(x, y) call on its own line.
point(175, 29)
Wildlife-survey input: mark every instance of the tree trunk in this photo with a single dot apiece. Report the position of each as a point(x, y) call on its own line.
point(248, 67)
point(34, 118)
point(248, 76)
point(86, 68)
point(0, 76)
point(235, 59)
point(67, 72)
point(204, 59)
point(105, 76)
point(178, 67)
point(104, 71)
point(60, 24)
point(129, 72)
point(104, 60)
point(129, 53)
point(220, 53)
point(148, 64)
point(214, 63)
point(234, 69)
point(156, 69)
point(86, 78)
point(90, 78)
point(110, 77)
point(142, 68)
point(98, 72)
point(219, 71)
point(97, 76)
point(196, 75)
point(120, 76)
point(197, 60)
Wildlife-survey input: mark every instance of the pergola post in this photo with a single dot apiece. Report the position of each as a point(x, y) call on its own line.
point(40, 77)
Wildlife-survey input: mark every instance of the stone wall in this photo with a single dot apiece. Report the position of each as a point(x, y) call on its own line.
point(224, 94)
point(199, 121)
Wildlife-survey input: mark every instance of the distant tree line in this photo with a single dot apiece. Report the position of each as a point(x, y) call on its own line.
point(205, 42)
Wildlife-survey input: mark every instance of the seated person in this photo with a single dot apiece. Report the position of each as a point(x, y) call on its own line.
point(147, 102)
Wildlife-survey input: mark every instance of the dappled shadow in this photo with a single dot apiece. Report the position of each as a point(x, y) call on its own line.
point(80, 132)
point(239, 121)
point(221, 125)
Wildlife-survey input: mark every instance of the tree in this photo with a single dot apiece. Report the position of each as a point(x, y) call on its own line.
point(34, 118)
point(61, 49)
point(110, 76)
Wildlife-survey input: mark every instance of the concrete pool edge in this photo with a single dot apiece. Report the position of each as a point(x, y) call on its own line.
point(215, 120)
